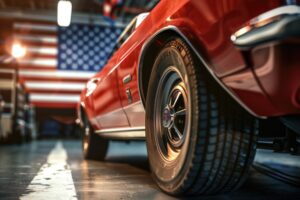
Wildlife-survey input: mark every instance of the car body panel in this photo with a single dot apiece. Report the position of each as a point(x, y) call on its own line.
point(207, 26)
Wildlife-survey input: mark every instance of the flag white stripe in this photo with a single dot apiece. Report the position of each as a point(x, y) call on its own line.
point(33, 27)
point(41, 62)
point(65, 86)
point(55, 74)
point(36, 38)
point(54, 98)
point(43, 50)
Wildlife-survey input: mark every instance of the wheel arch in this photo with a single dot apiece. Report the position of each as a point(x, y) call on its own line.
point(149, 52)
point(147, 58)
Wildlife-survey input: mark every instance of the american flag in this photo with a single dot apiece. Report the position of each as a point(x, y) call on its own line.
point(59, 61)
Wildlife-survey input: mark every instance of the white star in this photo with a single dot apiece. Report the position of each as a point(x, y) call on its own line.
point(91, 53)
point(74, 56)
point(107, 40)
point(85, 48)
point(91, 34)
point(74, 47)
point(63, 55)
point(85, 67)
point(102, 54)
point(80, 52)
point(69, 51)
point(80, 62)
point(107, 49)
point(96, 39)
point(69, 61)
point(63, 65)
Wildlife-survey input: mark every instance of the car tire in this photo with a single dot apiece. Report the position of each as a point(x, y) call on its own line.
point(93, 146)
point(203, 142)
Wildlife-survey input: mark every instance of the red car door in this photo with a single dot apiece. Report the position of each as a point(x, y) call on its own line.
point(107, 106)
point(128, 76)
point(130, 99)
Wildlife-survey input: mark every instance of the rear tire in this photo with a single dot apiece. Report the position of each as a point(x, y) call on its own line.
point(93, 146)
point(214, 144)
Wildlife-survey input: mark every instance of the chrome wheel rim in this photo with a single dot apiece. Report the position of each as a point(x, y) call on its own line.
point(171, 111)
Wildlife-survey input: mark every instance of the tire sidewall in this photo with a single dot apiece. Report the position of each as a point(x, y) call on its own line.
point(182, 164)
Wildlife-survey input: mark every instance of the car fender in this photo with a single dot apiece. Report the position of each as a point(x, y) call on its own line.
point(189, 37)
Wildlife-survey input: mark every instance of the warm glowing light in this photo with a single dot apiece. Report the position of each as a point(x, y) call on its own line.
point(107, 8)
point(64, 13)
point(18, 51)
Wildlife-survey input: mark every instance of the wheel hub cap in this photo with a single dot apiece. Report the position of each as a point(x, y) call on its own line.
point(168, 117)
point(171, 119)
point(173, 116)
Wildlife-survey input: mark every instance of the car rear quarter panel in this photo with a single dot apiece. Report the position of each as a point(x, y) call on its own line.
point(208, 25)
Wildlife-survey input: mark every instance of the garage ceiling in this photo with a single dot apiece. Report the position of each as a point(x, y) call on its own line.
point(128, 9)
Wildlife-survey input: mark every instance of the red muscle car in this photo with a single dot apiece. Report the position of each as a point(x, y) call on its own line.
point(205, 82)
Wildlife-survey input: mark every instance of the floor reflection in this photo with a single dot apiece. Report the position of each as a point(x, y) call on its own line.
point(125, 174)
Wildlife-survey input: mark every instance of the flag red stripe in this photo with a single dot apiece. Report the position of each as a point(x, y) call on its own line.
point(38, 43)
point(35, 33)
point(35, 67)
point(37, 21)
point(53, 92)
point(53, 104)
point(40, 55)
point(56, 79)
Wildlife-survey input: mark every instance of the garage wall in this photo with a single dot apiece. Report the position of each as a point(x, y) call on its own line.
point(60, 60)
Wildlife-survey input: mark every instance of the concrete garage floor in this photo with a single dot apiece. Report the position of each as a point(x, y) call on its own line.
point(56, 170)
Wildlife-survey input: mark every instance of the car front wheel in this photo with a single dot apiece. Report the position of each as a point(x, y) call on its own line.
point(199, 140)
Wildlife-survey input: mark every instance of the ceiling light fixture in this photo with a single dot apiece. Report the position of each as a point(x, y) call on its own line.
point(64, 13)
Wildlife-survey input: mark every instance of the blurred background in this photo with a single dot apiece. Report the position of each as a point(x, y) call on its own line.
point(49, 49)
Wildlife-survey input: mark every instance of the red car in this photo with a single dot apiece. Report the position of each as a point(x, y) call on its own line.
point(205, 82)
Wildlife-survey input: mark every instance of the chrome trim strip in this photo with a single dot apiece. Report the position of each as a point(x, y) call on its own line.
point(283, 10)
point(120, 129)
point(176, 29)
point(263, 20)
point(123, 133)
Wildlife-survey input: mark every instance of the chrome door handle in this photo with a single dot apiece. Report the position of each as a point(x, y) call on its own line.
point(127, 79)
